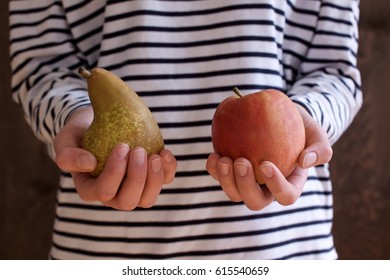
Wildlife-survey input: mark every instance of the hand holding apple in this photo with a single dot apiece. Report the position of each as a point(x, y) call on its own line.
point(262, 126)
point(237, 176)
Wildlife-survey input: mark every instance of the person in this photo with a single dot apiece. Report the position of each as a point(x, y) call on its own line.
point(183, 58)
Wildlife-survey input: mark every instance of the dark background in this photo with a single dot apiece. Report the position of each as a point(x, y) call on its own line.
point(360, 166)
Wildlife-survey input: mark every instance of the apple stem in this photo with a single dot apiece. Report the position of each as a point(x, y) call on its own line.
point(237, 92)
point(84, 72)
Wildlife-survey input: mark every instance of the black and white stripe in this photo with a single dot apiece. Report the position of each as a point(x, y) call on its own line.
point(183, 58)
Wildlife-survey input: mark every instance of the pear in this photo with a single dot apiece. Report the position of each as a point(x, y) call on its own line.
point(120, 116)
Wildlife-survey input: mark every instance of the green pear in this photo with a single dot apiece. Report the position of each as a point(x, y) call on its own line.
point(120, 116)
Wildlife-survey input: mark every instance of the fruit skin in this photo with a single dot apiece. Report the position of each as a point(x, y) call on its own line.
point(262, 126)
point(120, 116)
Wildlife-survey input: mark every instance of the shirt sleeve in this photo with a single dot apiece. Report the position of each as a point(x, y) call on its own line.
point(328, 84)
point(44, 62)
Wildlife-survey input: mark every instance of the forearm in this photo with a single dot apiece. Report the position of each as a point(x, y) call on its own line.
point(329, 102)
point(44, 62)
point(328, 82)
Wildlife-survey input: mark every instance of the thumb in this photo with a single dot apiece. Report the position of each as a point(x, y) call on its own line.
point(69, 156)
point(75, 160)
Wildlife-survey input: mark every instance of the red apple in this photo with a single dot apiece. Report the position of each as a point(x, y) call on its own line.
point(261, 126)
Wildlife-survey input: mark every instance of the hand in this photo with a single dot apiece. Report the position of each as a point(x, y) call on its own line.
point(237, 178)
point(130, 178)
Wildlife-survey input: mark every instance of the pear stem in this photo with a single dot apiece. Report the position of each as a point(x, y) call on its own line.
point(84, 72)
point(237, 92)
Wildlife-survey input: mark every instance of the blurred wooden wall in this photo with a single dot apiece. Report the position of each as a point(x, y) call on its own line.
point(29, 177)
point(361, 163)
point(360, 167)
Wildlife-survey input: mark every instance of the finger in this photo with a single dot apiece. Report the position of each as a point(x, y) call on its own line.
point(212, 165)
point(169, 166)
point(105, 187)
point(154, 182)
point(285, 191)
point(227, 180)
point(254, 196)
point(133, 184)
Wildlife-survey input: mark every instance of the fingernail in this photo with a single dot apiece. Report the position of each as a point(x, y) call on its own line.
point(156, 165)
point(168, 157)
point(267, 170)
point(310, 159)
point(85, 162)
point(122, 151)
point(139, 156)
point(241, 168)
point(224, 169)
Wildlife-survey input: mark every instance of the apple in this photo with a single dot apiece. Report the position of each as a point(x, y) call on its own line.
point(261, 126)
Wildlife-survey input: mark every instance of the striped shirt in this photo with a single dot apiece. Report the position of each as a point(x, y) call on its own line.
point(183, 58)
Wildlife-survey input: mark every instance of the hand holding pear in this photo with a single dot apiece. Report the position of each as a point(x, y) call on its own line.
point(120, 116)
